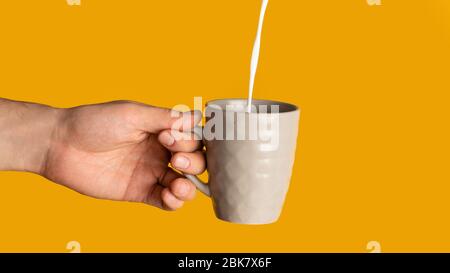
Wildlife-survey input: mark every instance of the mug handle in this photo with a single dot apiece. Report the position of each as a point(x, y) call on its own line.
point(201, 186)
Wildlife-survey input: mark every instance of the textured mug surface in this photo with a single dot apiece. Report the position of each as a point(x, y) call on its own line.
point(249, 178)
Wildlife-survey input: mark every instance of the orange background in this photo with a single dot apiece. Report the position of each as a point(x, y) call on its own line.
point(372, 82)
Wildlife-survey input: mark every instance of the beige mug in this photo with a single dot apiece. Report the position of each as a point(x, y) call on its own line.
point(249, 158)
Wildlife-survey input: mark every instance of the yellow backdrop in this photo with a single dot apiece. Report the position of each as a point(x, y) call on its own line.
point(372, 81)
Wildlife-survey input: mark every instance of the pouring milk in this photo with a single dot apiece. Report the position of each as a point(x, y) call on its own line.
point(255, 55)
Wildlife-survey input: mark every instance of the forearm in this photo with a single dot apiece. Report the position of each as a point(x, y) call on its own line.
point(26, 132)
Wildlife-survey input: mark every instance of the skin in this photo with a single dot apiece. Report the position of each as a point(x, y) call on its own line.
point(117, 151)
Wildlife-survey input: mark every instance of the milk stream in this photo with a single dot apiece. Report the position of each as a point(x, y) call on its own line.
point(255, 55)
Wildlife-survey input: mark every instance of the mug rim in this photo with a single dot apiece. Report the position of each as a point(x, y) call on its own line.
point(291, 107)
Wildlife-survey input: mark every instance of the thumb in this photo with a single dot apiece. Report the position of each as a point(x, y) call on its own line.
point(155, 119)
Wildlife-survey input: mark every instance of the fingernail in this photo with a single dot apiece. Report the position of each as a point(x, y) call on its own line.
point(183, 188)
point(167, 139)
point(181, 162)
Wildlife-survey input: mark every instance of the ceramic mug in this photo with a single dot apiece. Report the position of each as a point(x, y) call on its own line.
point(249, 158)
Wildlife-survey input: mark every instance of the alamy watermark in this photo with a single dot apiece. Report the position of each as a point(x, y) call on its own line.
point(374, 2)
point(229, 120)
point(78, 2)
point(73, 2)
point(373, 247)
point(73, 247)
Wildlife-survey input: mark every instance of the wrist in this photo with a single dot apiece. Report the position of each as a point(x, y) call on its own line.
point(27, 131)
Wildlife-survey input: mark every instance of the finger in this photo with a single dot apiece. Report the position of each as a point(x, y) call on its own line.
point(191, 163)
point(154, 119)
point(162, 198)
point(177, 141)
point(169, 176)
point(154, 197)
point(187, 121)
point(180, 186)
point(169, 201)
point(183, 189)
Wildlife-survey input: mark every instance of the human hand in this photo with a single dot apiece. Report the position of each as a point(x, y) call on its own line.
point(121, 150)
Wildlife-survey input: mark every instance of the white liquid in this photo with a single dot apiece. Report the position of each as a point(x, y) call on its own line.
point(255, 55)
